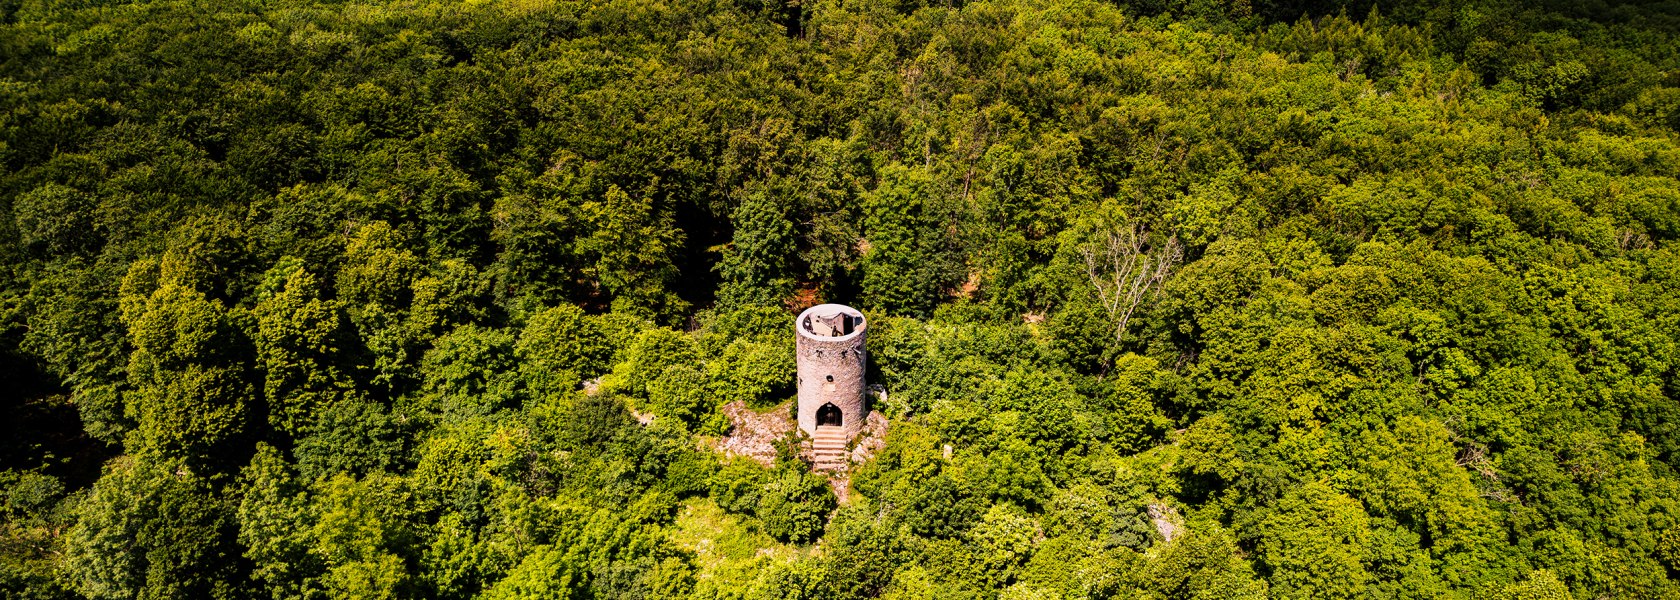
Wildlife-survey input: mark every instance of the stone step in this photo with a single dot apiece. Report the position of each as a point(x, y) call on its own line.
point(829, 450)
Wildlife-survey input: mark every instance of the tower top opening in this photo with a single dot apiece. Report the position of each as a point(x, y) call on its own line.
point(830, 321)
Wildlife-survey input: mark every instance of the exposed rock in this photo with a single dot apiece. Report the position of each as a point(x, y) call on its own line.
point(754, 434)
point(1166, 520)
point(871, 439)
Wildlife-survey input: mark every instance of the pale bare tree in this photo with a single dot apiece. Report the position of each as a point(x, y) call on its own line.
point(1126, 268)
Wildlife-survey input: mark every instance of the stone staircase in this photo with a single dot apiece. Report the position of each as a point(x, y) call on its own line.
point(828, 449)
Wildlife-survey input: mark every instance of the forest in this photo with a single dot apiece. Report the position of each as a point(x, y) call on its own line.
point(1168, 299)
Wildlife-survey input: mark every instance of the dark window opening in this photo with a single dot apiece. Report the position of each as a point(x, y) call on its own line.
point(828, 414)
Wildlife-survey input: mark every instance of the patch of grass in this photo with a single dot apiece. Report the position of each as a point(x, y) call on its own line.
point(729, 549)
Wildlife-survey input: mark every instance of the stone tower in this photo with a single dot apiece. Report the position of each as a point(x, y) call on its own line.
point(831, 366)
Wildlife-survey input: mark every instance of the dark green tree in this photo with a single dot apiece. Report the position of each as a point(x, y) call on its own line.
point(756, 265)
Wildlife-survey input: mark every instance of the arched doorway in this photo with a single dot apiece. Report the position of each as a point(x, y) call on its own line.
point(828, 414)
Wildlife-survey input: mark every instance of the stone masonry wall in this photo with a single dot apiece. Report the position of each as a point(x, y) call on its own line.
point(831, 370)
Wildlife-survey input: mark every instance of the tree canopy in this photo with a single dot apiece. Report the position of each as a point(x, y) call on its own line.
point(1253, 299)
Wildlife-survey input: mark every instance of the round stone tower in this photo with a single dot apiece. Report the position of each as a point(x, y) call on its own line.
point(831, 366)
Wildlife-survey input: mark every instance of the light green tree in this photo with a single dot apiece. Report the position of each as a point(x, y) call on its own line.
point(1315, 543)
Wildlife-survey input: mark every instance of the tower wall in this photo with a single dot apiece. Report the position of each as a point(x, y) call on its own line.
point(825, 357)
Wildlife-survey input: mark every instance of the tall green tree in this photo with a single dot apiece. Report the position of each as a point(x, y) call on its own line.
point(191, 393)
point(914, 259)
point(152, 530)
point(756, 265)
point(633, 246)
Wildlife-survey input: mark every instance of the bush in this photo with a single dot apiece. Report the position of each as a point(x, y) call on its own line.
point(758, 373)
point(562, 346)
point(680, 393)
point(738, 485)
point(795, 505)
point(647, 358)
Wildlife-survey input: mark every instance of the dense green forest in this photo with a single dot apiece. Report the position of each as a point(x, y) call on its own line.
point(427, 299)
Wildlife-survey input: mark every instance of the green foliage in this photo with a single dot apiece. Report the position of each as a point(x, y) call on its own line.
point(190, 385)
point(398, 307)
point(738, 486)
point(913, 260)
point(794, 505)
point(758, 373)
point(562, 345)
point(647, 357)
point(354, 436)
point(1003, 540)
point(1315, 544)
point(470, 372)
point(33, 515)
point(55, 220)
point(755, 267)
point(680, 393)
point(149, 530)
point(545, 574)
point(1540, 585)
point(361, 534)
point(302, 344)
point(1203, 564)
point(633, 249)
point(1167, 299)
point(593, 421)
point(340, 538)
